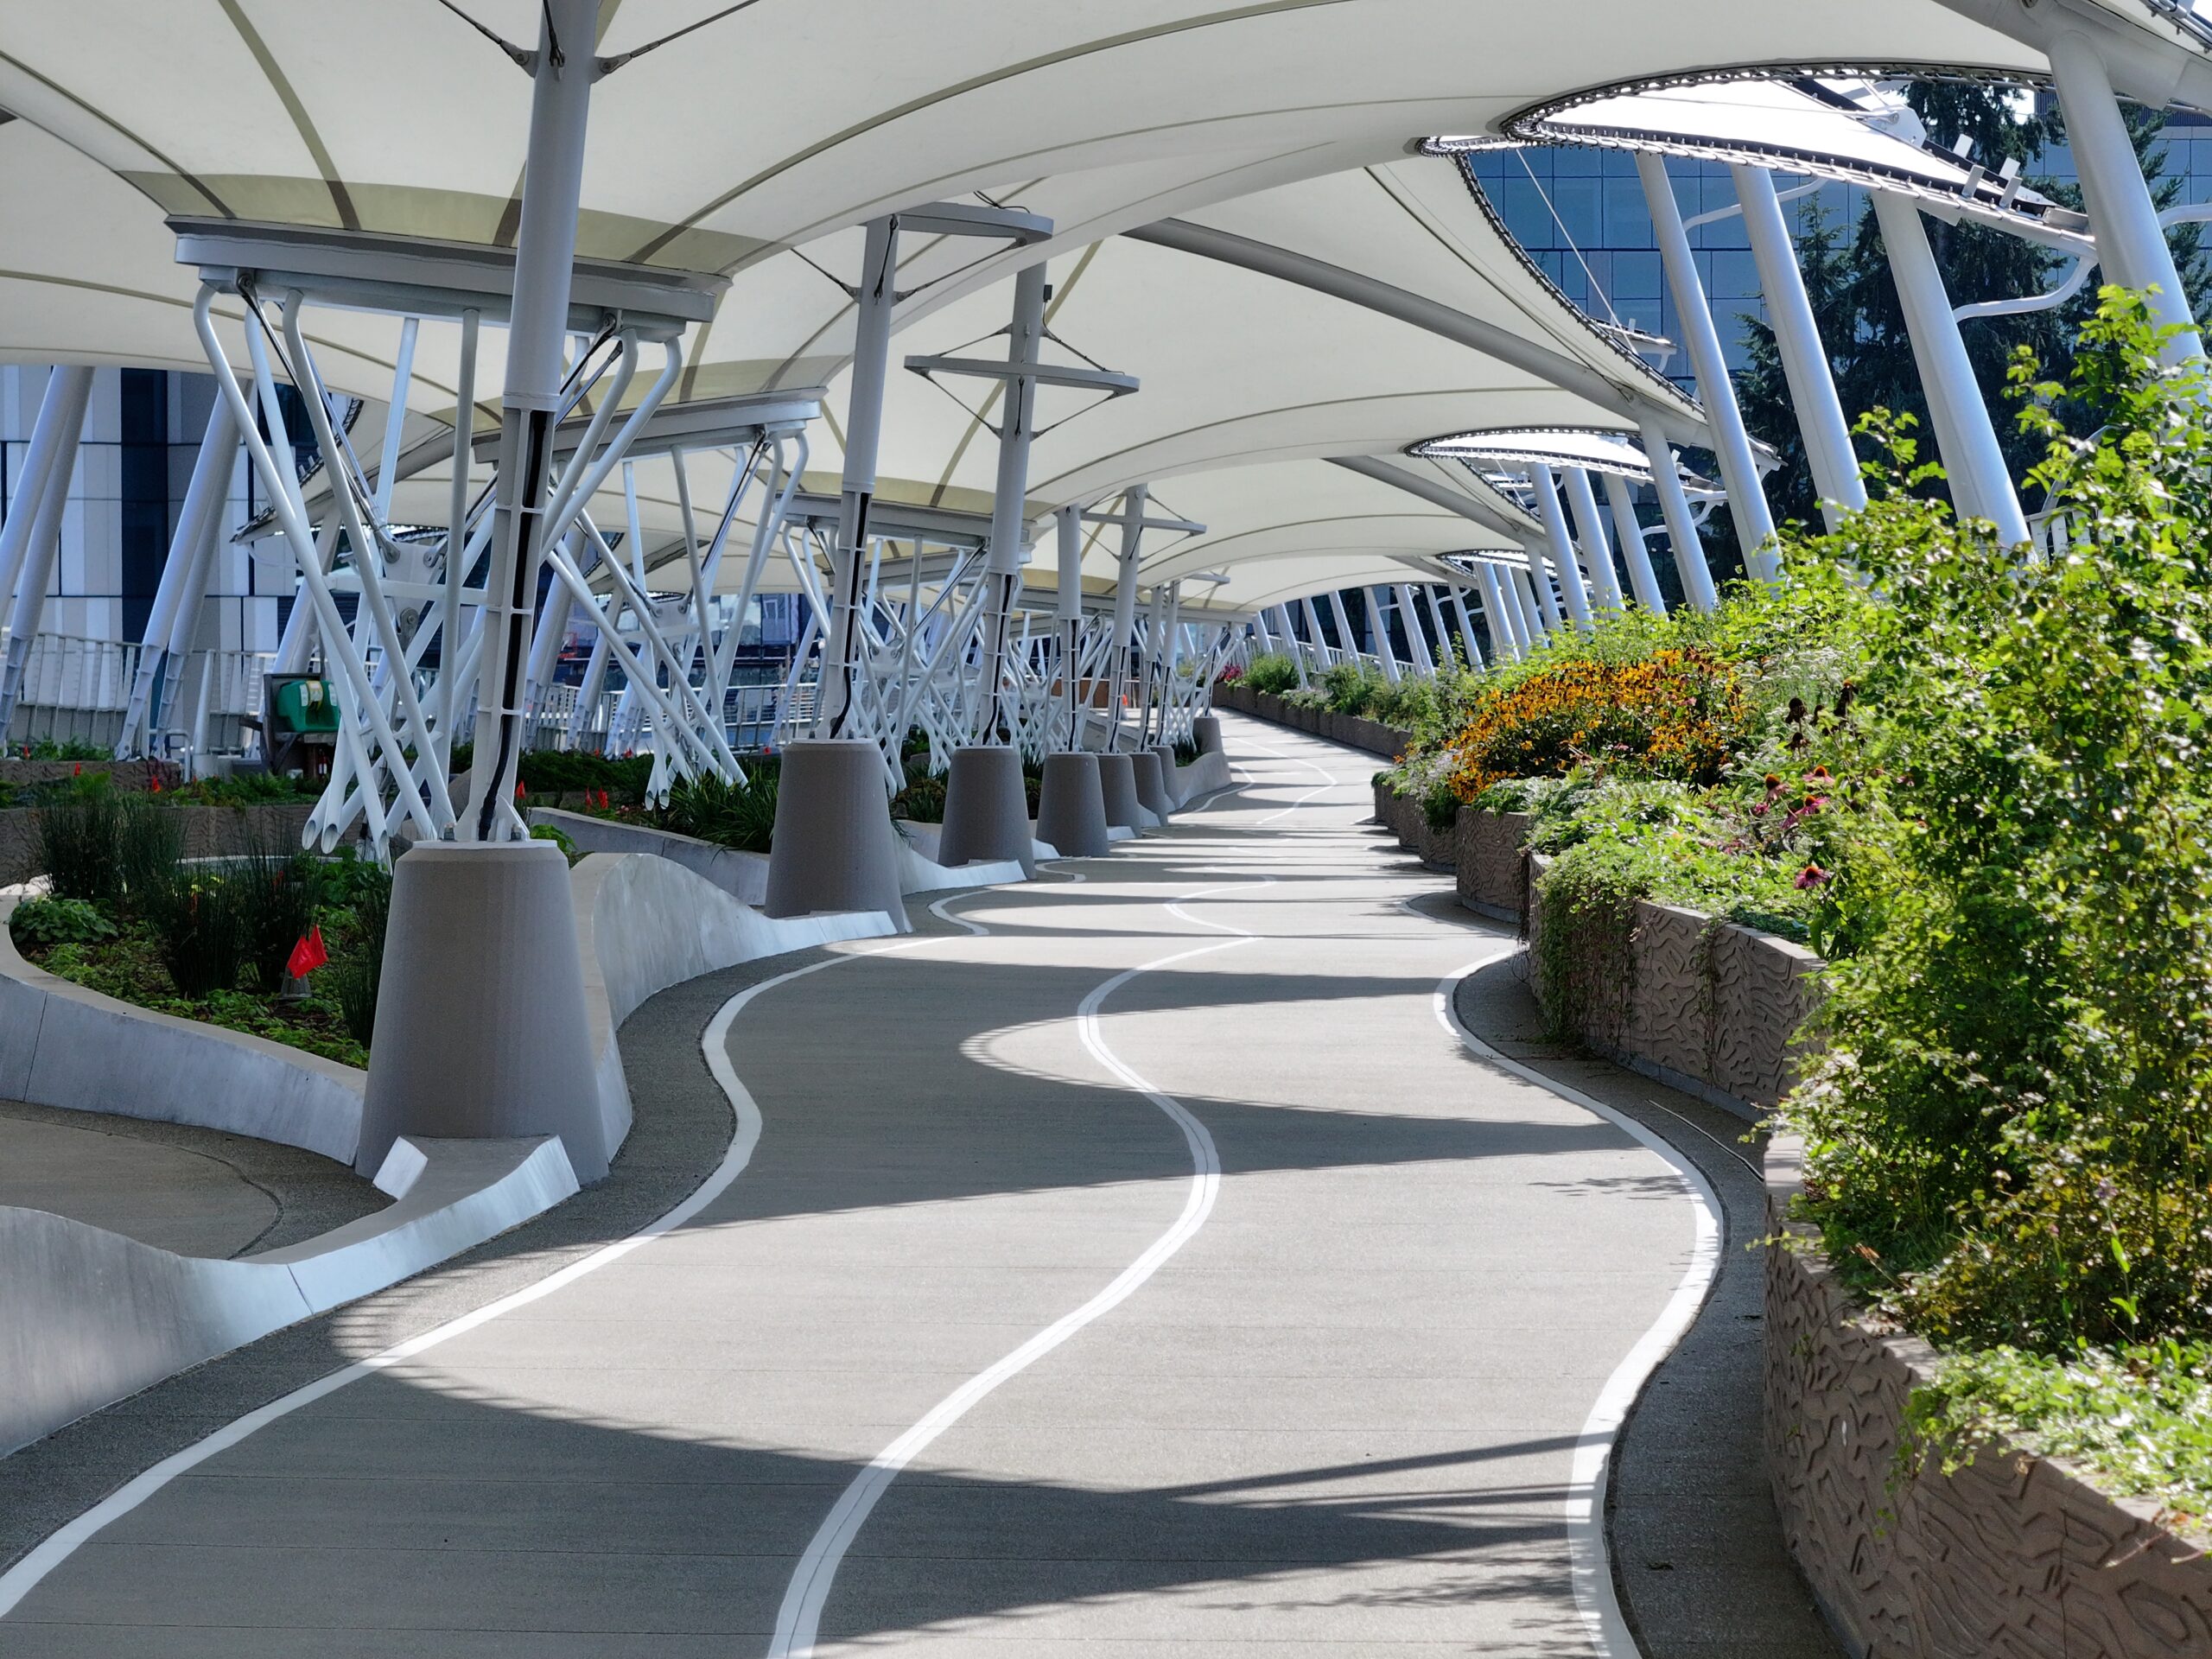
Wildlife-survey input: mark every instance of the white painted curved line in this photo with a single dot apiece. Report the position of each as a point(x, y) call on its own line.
point(799, 1620)
point(22, 1578)
point(1590, 1559)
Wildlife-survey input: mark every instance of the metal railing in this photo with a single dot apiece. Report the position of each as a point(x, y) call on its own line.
point(76, 689)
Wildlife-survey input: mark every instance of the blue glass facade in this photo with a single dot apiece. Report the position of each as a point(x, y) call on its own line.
point(1580, 215)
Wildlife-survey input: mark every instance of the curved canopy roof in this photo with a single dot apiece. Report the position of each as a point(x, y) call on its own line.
point(753, 146)
point(1850, 129)
point(723, 133)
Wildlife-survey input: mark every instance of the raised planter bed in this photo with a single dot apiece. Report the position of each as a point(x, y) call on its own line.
point(209, 832)
point(1348, 729)
point(1491, 861)
point(1711, 1007)
point(2013, 1554)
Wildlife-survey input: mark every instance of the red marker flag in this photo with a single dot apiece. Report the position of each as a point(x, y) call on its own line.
point(308, 955)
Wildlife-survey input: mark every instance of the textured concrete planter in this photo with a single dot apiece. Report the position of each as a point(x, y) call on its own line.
point(2013, 1555)
point(1709, 1007)
point(209, 832)
point(1491, 861)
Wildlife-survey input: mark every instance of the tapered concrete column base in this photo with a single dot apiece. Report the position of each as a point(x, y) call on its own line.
point(1206, 732)
point(1071, 807)
point(1152, 783)
point(986, 810)
point(1117, 781)
point(834, 847)
point(481, 1028)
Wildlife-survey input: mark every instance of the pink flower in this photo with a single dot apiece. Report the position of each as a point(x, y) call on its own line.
point(1812, 876)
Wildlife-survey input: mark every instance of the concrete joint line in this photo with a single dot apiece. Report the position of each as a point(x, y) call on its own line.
point(1590, 1560)
point(799, 1620)
point(23, 1578)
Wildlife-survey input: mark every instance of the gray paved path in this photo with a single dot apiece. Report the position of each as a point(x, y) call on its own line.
point(1329, 1304)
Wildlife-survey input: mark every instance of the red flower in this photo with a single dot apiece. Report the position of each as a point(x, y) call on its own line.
point(520, 792)
point(1812, 876)
point(76, 770)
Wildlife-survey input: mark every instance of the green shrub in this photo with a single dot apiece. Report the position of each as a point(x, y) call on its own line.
point(148, 841)
point(41, 924)
point(1271, 672)
point(275, 895)
point(357, 979)
point(2010, 1137)
point(202, 925)
point(247, 789)
point(741, 815)
point(560, 838)
point(78, 840)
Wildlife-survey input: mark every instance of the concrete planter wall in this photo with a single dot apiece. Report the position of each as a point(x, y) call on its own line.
point(2013, 1555)
point(209, 832)
point(1710, 1007)
point(1355, 733)
point(1490, 855)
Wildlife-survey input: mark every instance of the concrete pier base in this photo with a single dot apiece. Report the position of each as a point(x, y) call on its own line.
point(1151, 783)
point(1117, 782)
point(1072, 806)
point(1206, 732)
point(481, 1029)
point(834, 847)
point(987, 810)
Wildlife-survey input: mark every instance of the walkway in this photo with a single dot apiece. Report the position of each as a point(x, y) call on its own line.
point(1197, 1286)
point(193, 1190)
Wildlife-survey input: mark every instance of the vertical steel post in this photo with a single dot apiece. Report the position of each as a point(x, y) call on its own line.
point(876, 296)
point(546, 251)
point(1739, 471)
point(1136, 500)
point(1067, 523)
point(1009, 496)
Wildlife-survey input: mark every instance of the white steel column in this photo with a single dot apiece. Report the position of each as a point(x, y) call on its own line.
point(545, 252)
point(1010, 494)
point(184, 575)
point(53, 448)
point(1319, 644)
point(34, 566)
point(1416, 641)
point(876, 294)
point(1797, 341)
point(1291, 647)
point(1382, 636)
point(1559, 546)
point(1595, 544)
point(1135, 501)
point(1067, 525)
point(2122, 217)
point(1346, 641)
point(1526, 587)
point(1681, 528)
point(1508, 639)
point(1739, 471)
point(1971, 455)
point(1467, 632)
point(1641, 576)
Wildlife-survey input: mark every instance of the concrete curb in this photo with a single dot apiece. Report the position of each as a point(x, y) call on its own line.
point(88, 1317)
